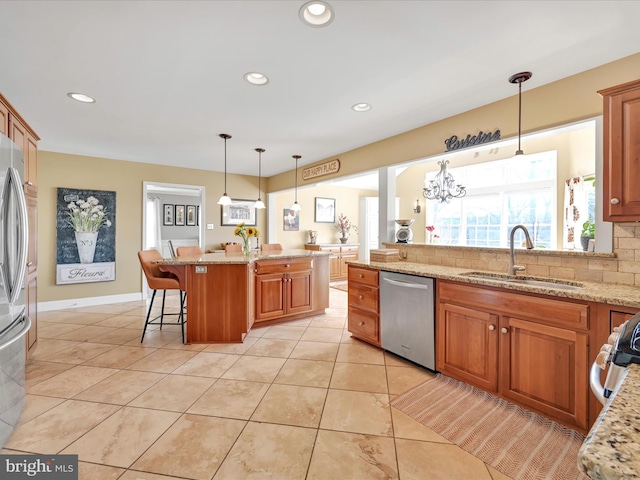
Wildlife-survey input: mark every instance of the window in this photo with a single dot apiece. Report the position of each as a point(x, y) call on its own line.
point(500, 195)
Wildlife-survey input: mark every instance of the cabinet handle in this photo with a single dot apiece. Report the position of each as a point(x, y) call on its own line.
point(615, 201)
point(30, 264)
point(30, 184)
point(492, 327)
point(360, 297)
point(504, 330)
point(361, 276)
point(361, 324)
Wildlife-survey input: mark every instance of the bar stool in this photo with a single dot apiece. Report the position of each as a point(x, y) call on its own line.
point(164, 281)
point(187, 251)
point(271, 246)
point(233, 248)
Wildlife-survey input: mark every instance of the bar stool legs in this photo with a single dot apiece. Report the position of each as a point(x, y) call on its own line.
point(181, 318)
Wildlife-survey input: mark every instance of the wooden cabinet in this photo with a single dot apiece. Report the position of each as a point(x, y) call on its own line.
point(283, 287)
point(338, 258)
point(531, 350)
point(364, 304)
point(621, 111)
point(14, 126)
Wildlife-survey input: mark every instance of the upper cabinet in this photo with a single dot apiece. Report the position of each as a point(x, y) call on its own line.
point(621, 113)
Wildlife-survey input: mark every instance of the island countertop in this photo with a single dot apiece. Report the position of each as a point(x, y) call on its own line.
point(237, 257)
point(611, 450)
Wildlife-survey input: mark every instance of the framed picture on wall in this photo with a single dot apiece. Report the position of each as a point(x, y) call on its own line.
point(325, 210)
point(239, 211)
point(167, 218)
point(290, 220)
point(191, 214)
point(180, 213)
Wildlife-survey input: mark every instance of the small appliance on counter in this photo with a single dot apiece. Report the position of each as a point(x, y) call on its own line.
point(404, 233)
point(621, 350)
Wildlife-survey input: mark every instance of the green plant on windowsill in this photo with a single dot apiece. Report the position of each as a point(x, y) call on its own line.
point(588, 232)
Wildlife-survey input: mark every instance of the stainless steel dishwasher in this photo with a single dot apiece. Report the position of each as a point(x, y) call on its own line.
point(407, 314)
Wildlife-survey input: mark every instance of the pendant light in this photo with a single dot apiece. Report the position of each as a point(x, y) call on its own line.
point(225, 199)
point(296, 206)
point(259, 203)
point(519, 78)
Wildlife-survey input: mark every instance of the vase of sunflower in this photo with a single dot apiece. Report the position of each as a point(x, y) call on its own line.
point(245, 233)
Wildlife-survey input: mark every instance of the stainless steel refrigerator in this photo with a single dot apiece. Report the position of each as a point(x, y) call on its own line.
point(14, 323)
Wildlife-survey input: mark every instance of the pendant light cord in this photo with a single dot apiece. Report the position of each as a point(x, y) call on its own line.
point(519, 113)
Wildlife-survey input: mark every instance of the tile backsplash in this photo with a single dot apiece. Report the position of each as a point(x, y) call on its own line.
point(620, 267)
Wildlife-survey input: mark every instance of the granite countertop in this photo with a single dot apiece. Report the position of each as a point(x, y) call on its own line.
point(238, 257)
point(611, 450)
point(623, 295)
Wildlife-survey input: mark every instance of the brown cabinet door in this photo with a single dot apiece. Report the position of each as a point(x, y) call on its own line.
point(298, 292)
point(334, 267)
point(621, 152)
point(364, 325)
point(31, 166)
point(344, 267)
point(4, 119)
point(467, 345)
point(32, 250)
point(269, 296)
point(545, 368)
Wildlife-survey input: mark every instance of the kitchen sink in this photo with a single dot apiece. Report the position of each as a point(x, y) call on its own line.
point(530, 281)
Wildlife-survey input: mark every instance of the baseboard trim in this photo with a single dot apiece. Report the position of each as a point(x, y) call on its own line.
point(88, 301)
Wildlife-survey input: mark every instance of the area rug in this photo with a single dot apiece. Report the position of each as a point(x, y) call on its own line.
point(513, 440)
point(340, 285)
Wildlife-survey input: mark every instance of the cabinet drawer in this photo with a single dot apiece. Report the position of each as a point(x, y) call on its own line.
point(364, 325)
point(351, 249)
point(363, 296)
point(363, 275)
point(283, 266)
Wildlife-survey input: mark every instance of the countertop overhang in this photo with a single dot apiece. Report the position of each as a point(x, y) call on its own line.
point(613, 294)
point(238, 257)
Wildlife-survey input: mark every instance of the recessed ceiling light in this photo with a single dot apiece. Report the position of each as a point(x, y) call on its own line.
point(81, 97)
point(256, 78)
point(316, 13)
point(361, 107)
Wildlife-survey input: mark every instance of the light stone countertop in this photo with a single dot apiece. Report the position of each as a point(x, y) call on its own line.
point(238, 257)
point(611, 450)
point(612, 294)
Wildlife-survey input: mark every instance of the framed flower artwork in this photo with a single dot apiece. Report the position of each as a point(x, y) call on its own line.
point(179, 218)
point(167, 217)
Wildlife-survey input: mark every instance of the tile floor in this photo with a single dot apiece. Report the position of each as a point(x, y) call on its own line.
point(297, 400)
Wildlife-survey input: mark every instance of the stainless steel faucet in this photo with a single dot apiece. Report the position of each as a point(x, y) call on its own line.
point(513, 268)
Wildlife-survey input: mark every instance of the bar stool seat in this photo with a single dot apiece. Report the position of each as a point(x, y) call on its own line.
point(159, 280)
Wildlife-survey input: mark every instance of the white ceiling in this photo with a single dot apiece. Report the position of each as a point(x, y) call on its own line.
point(167, 75)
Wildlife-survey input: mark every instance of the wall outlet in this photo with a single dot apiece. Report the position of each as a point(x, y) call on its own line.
point(209, 226)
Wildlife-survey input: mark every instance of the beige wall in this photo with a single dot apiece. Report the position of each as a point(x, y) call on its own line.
point(347, 202)
point(125, 178)
point(559, 103)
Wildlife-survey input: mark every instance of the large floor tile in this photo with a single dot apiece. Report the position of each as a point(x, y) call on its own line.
point(402, 379)
point(361, 377)
point(272, 347)
point(120, 357)
point(48, 346)
point(291, 405)
point(174, 392)
point(232, 348)
point(360, 352)
point(285, 332)
point(358, 412)
point(38, 371)
point(207, 364)
point(329, 321)
point(322, 334)
point(352, 456)
point(231, 399)
point(269, 451)
point(308, 373)
point(35, 405)
point(56, 428)
point(71, 382)
point(406, 427)
point(324, 351)
point(123, 437)
point(93, 471)
point(256, 369)
point(78, 353)
point(438, 461)
point(121, 387)
point(162, 361)
point(197, 447)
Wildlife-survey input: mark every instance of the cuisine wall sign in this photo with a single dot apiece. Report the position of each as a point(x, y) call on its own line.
point(455, 143)
point(325, 168)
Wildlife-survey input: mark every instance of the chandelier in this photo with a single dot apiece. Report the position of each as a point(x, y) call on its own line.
point(442, 187)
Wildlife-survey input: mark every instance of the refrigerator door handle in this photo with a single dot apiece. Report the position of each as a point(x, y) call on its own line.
point(13, 273)
point(15, 337)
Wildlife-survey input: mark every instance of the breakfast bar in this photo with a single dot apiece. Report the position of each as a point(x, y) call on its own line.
point(228, 292)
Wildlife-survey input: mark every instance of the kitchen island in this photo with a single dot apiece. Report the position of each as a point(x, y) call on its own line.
point(228, 292)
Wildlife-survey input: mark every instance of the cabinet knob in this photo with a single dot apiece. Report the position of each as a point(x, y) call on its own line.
point(287, 265)
point(504, 330)
point(361, 276)
point(30, 184)
point(492, 327)
point(361, 324)
point(615, 201)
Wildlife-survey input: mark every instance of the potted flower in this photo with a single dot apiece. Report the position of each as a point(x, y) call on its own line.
point(588, 232)
point(86, 217)
point(343, 227)
point(245, 233)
